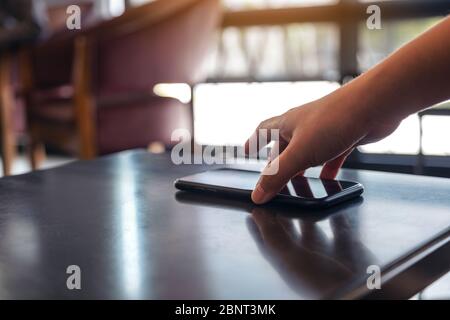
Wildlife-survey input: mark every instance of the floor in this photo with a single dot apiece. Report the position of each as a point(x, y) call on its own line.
point(22, 165)
point(439, 290)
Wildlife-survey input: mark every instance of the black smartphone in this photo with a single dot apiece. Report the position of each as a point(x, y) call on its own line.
point(301, 191)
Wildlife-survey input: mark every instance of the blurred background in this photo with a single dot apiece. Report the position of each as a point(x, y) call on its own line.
point(270, 57)
point(263, 57)
point(136, 70)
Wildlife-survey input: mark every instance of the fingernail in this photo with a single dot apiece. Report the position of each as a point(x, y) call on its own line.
point(259, 196)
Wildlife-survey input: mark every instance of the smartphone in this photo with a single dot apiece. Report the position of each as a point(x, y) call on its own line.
point(301, 191)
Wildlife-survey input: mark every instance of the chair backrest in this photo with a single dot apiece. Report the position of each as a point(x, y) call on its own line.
point(57, 15)
point(164, 41)
point(53, 54)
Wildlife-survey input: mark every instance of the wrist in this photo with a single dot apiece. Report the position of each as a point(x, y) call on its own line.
point(353, 102)
point(369, 98)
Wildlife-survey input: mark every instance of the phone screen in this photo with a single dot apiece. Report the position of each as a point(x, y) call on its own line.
point(298, 187)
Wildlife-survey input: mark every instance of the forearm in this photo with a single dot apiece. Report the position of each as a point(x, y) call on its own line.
point(413, 78)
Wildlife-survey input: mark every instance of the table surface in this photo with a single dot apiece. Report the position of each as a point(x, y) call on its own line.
point(120, 219)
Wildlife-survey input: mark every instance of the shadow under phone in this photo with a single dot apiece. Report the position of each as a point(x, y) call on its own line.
point(220, 202)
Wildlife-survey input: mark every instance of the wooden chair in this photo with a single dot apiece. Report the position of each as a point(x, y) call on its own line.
point(12, 122)
point(90, 91)
point(8, 143)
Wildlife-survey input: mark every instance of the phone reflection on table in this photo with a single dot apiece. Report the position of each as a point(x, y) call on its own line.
point(310, 260)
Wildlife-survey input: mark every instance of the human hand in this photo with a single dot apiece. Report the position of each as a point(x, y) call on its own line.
point(321, 132)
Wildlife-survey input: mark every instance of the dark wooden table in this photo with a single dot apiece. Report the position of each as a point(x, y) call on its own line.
point(123, 223)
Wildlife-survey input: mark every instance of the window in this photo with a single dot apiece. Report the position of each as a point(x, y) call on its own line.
point(227, 113)
point(261, 61)
point(266, 67)
point(276, 52)
point(374, 46)
point(405, 140)
point(436, 130)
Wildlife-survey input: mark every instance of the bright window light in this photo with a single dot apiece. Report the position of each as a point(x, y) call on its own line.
point(436, 130)
point(140, 2)
point(227, 113)
point(180, 91)
point(405, 140)
point(116, 7)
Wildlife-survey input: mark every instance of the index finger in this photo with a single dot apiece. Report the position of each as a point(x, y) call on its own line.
point(257, 140)
point(288, 164)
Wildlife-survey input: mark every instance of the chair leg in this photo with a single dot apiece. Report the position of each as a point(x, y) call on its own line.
point(6, 108)
point(36, 153)
point(83, 100)
point(35, 148)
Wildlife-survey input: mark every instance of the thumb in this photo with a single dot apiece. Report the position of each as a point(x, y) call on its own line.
point(278, 173)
